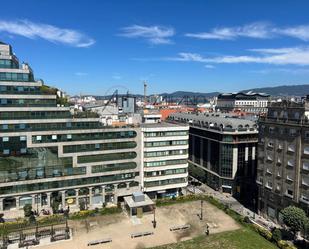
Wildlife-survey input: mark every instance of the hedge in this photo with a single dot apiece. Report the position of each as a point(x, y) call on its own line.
point(91, 213)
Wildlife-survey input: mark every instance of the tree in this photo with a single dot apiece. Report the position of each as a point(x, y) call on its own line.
point(55, 206)
point(276, 234)
point(27, 210)
point(295, 218)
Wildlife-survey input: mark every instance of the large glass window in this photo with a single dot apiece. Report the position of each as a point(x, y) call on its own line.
point(106, 157)
point(101, 146)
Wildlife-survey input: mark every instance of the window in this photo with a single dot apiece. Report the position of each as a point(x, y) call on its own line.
point(54, 137)
point(291, 163)
point(6, 152)
point(69, 136)
point(23, 150)
point(5, 127)
point(68, 124)
point(4, 101)
point(269, 184)
point(270, 144)
point(22, 126)
point(23, 138)
point(292, 132)
point(306, 150)
point(306, 165)
point(305, 180)
point(289, 192)
point(5, 139)
point(38, 138)
point(291, 148)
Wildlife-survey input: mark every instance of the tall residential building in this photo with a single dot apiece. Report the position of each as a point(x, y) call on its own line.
point(48, 155)
point(222, 152)
point(246, 102)
point(165, 157)
point(283, 158)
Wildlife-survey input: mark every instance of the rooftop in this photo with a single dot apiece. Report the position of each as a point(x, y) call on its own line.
point(217, 121)
point(162, 124)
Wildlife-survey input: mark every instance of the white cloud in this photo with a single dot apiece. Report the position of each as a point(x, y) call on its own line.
point(209, 66)
point(260, 30)
point(117, 77)
point(153, 34)
point(45, 31)
point(81, 74)
point(277, 56)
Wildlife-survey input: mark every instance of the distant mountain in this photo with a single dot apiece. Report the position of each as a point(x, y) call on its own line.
point(180, 94)
point(284, 90)
point(291, 90)
point(294, 90)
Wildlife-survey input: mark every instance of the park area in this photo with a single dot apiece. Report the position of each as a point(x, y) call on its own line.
point(224, 231)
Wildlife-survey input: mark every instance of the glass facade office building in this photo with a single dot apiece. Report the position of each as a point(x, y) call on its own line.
point(47, 154)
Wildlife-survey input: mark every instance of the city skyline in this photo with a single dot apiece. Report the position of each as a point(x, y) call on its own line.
point(202, 47)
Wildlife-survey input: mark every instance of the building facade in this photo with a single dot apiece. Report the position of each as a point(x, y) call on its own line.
point(50, 157)
point(222, 152)
point(283, 158)
point(165, 159)
point(245, 102)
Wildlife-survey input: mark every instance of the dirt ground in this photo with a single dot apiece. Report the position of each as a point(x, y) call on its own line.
point(120, 227)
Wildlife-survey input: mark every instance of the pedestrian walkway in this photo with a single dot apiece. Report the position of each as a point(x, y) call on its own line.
point(232, 203)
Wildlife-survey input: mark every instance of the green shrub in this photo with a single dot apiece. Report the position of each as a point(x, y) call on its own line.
point(247, 220)
point(111, 210)
point(282, 244)
point(263, 232)
point(277, 236)
point(27, 210)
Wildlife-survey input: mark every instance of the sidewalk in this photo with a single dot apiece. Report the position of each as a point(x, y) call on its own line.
point(232, 203)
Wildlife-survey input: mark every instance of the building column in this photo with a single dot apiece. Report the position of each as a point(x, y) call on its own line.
point(90, 196)
point(235, 161)
point(63, 198)
point(17, 201)
point(103, 194)
point(202, 152)
point(193, 148)
point(115, 194)
point(33, 201)
point(77, 197)
point(48, 194)
point(128, 185)
point(1, 204)
point(208, 153)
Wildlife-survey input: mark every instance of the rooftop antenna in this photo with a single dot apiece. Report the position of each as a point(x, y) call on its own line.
point(145, 93)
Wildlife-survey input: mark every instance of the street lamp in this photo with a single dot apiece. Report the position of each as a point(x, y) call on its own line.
point(201, 215)
point(154, 222)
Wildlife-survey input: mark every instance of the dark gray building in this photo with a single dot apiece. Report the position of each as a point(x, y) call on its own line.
point(222, 152)
point(283, 158)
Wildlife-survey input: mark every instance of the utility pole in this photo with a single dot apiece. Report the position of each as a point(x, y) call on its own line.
point(201, 215)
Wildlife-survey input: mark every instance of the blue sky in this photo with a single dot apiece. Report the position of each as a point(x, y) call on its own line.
point(94, 47)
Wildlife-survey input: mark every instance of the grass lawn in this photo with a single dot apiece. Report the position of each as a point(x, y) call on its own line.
point(243, 238)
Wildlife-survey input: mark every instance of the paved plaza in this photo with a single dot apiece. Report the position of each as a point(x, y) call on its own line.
point(120, 227)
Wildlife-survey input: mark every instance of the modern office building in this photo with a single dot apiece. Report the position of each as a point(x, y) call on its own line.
point(283, 158)
point(49, 156)
point(222, 152)
point(245, 102)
